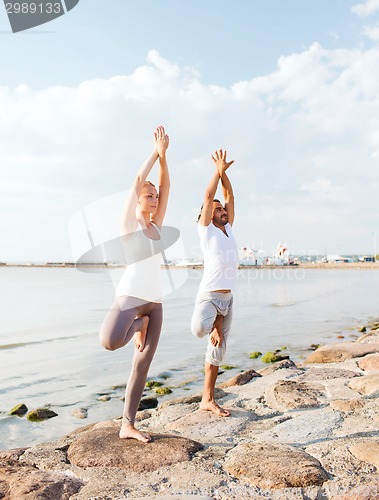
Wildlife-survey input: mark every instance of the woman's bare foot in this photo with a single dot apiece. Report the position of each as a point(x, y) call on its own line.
point(140, 336)
point(128, 431)
point(214, 408)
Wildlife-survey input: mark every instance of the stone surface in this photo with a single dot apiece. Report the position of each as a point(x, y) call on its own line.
point(19, 481)
point(102, 447)
point(370, 362)
point(269, 465)
point(327, 373)
point(290, 394)
point(285, 363)
point(339, 352)
point(368, 451)
point(240, 379)
point(347, 405)
point(194, 398)
point(206, 426)
point(369, 337)
point(367, 385)
point(305, 428)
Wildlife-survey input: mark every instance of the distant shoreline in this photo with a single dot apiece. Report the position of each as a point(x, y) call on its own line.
point(302, 265)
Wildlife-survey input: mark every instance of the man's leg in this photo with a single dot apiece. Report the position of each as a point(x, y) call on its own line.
point(214, 356)
point(208, 402)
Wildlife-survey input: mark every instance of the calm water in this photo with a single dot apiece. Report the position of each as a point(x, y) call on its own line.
point(50, 319)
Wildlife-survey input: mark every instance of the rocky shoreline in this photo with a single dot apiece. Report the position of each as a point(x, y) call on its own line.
point(302, 431)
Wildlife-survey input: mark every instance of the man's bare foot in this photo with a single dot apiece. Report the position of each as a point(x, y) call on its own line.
point(128, 431)
point(140, 336)
point(216, 336)
point(214, 408)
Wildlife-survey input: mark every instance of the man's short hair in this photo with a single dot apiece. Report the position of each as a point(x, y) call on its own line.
point(201, 209)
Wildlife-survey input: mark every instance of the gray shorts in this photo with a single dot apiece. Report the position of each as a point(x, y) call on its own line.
point(208, 305)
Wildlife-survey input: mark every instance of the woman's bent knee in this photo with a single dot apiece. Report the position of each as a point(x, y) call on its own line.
point(107, 343)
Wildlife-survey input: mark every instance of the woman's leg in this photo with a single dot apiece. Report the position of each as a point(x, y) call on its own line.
point(140, 368)
point(119, 326)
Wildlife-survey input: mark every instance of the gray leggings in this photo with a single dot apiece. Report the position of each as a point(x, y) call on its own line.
point(118, 328)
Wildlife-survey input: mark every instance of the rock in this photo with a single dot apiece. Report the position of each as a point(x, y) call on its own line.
point(102, 447)
point(19, 410)
point(151, 384)
point(362, 492)
point(362, 330)
point(195, 398)
point(104, 398)
point(347, 405)
point(370, 362)
point(204, 425)
point(339, 352)
point(227, 367)
point(272, 357)
point(240, 379)
point(20, 481)
point(369, 337)
point(327, 374)
point(269, 465)
point(305, 428)
point(79, 413)
point(367, 451)
point(286, 363)
point(147, 403)
point(255, 355)
point(289, 394)
point(163, 390)
point(367, 385)
point(40, 414)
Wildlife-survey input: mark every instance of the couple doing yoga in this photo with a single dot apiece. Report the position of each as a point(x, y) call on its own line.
point(136, 312)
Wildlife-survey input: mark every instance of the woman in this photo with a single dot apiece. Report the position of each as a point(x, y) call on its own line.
point(137, 310)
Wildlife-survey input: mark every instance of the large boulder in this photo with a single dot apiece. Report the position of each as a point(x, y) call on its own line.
point(102, 447)
point(332, 353)
point(270, 465)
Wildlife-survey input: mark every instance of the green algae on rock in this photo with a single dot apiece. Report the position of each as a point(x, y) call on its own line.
point(19, 410)
point(150, 384)
point(40, 414)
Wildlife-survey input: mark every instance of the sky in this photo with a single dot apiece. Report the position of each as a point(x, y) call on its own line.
point(288, 88)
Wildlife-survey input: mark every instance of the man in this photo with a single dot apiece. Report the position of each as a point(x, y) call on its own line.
point(214, 302)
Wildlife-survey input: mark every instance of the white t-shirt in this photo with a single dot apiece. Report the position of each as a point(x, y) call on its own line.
point(142, 276)
point(220, 258)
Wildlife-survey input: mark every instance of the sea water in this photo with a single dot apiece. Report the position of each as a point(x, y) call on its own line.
point(50, 318)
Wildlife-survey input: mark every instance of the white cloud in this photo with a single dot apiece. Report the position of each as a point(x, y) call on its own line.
point(305, 139)
point(365, 9)
point(372, 32)
point(323, 188)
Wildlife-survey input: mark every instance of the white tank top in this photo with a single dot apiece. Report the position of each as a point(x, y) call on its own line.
point(142, 274)
point(220, 258)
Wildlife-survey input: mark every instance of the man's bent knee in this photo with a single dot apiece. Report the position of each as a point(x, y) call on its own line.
point(200, 330)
